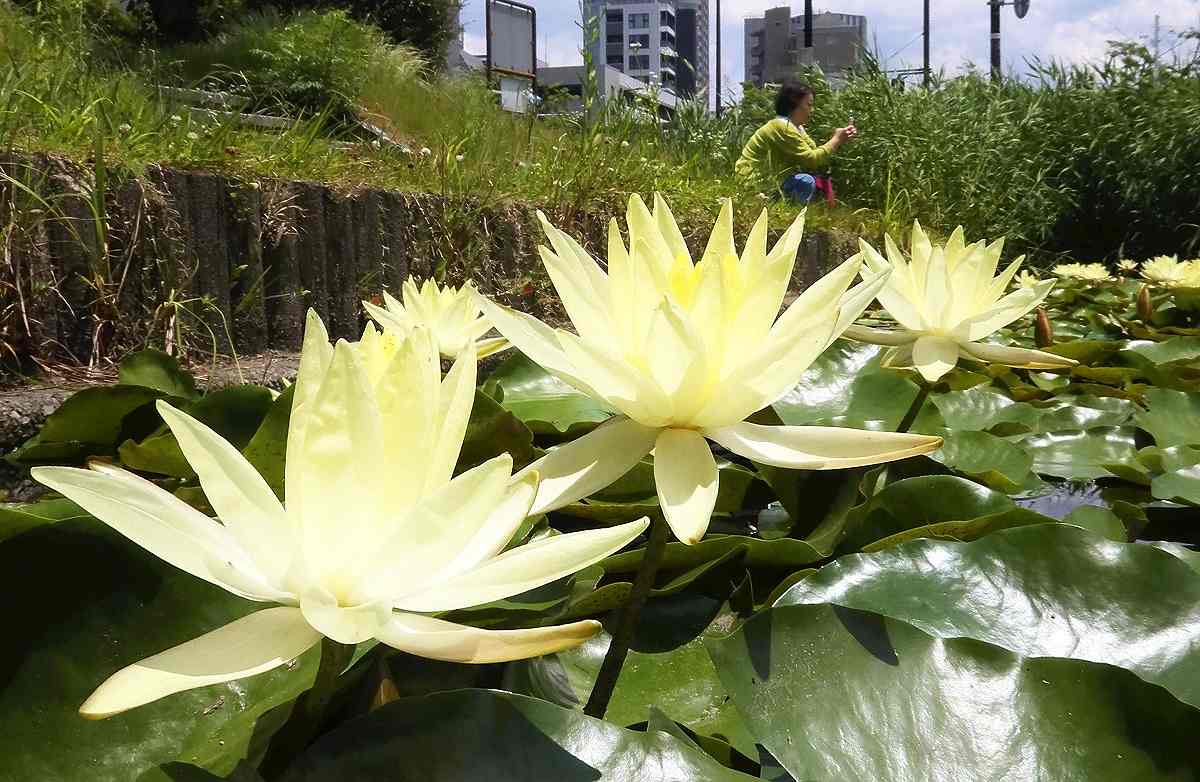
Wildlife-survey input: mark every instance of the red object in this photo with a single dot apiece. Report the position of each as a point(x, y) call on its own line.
point(825, 185)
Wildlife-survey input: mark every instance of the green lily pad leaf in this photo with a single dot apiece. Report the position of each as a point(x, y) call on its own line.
point(62, 645)
point(974, 409)
point(681, 681)
point(1183, 349)
point(1101, 521)
point(847, 387)
point(544, 403)
point(235, 413)
point(1188, 556)
point(498, 736)
point(16, 519)
point(970, 529)
point(781, 553)
point(717, 749)
point(1182, 485)
point(1052, 590)
point(915, 503)
point(155, 369)
point(1081, 456)
point(89, 423)
point(1084, 412)
point(1172, 417)
point(491, 431)
point(267, 449)
point(186, 772)
point(1086, 351)
point(999, 464)
point(837, 695)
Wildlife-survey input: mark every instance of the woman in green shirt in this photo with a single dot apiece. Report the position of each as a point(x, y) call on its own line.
point(781, 155)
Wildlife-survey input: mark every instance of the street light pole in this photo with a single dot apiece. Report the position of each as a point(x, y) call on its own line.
point(718, 69)
point(995, 39)
point(927, 71)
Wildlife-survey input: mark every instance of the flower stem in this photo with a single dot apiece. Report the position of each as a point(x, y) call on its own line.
point(622, 637)
point(915, 408)
point(310, 710)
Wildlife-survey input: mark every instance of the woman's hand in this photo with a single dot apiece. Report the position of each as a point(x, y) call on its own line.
point(842, 135)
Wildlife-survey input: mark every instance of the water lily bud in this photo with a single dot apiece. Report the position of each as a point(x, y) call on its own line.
point(1043, 331)
point(1145, 307)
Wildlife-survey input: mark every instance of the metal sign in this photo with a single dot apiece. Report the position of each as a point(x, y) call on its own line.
point(511, 39)
point(1021, 7)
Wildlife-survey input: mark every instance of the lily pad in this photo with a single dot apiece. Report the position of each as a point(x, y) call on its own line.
point(546, 404)
point(498, 736)
point(837, 695)
point(1172, 417)
point(16, 519)
point(1081, 455)
point(155, 369)
point(1051, 590)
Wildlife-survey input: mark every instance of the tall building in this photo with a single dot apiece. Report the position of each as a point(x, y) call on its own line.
point(775, 44)
point(667, 40)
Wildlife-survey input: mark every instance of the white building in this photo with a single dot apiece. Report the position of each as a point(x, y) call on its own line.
point(666, 41)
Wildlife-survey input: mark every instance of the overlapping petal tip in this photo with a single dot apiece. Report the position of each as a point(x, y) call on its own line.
point(523, 568)
point(584, 466)
point(820, 447)
point(685, 474)
point(438, 639)
point(254, 644)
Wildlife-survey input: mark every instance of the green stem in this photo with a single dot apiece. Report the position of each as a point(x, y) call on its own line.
point(310, 710)
point(915, 408)
point(622, 637)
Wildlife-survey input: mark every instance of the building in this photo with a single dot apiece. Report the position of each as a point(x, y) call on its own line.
point(664, 41)
point(775, 44)
point(611, 84)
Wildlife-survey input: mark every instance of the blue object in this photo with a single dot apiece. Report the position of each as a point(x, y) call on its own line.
point(799, 187)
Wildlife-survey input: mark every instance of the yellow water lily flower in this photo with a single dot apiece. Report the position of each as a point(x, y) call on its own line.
point(1127, 266)
point(687, 351)
point(946, 300)
point(373, 537)
point(452, 314)
point(1165, 270)
point(1191, 274)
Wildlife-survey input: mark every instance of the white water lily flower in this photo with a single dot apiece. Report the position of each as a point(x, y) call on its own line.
point(1027, 279)
point(1165, 270)
point(374, 534)
point(946, 300)
point(687, 352)
point(1089, 272)
point(452, 314)
point(1127, 266)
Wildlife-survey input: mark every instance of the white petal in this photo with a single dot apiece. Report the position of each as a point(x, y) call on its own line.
point(243, 501)
point(457, 397)
point(161, 523)
point(679, 364)
point(344, 624)
point(407, 394)
point(1008, 309)
point(315, 357)
point(524, 568)
point(934, 356)
point(387, 319)
point(1016, 357)
point(342, 467)
point(886, 337)
point(584, 306)
point(245, 647)
point(491, 346)
point(437, 639)
point(685, 475)
point(433, 541)
point(820, 447)
point(856, 300)
point(619, 383)
point(535, 339)
point(590, 463)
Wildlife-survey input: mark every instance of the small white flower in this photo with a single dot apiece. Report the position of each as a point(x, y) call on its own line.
point(624, 144)
point(193, 136)
point(176, 119)
point(124, 127)
point(426, 151)
point(375, 144)
point(460, 158)
point(406, 150)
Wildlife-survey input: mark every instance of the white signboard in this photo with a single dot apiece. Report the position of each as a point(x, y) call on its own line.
point(511, 32)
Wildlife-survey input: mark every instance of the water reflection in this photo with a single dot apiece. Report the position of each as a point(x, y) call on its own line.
point(1062, 498)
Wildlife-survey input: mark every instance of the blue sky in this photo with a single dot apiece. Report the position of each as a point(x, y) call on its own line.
point(1072, 30)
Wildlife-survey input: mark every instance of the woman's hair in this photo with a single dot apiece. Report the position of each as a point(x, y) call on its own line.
point(789, 97)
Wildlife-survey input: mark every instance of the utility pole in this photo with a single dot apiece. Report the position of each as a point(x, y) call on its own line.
point(808, 22)
point(927, 71)
point(1157, 38)
point(718, 80)
point(995, 40)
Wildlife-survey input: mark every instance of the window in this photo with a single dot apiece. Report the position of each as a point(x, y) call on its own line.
point(639, 21)
point(641, 40)
point(666, 19)
point(639, 62)
point(617, 59)
point(667, 39)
